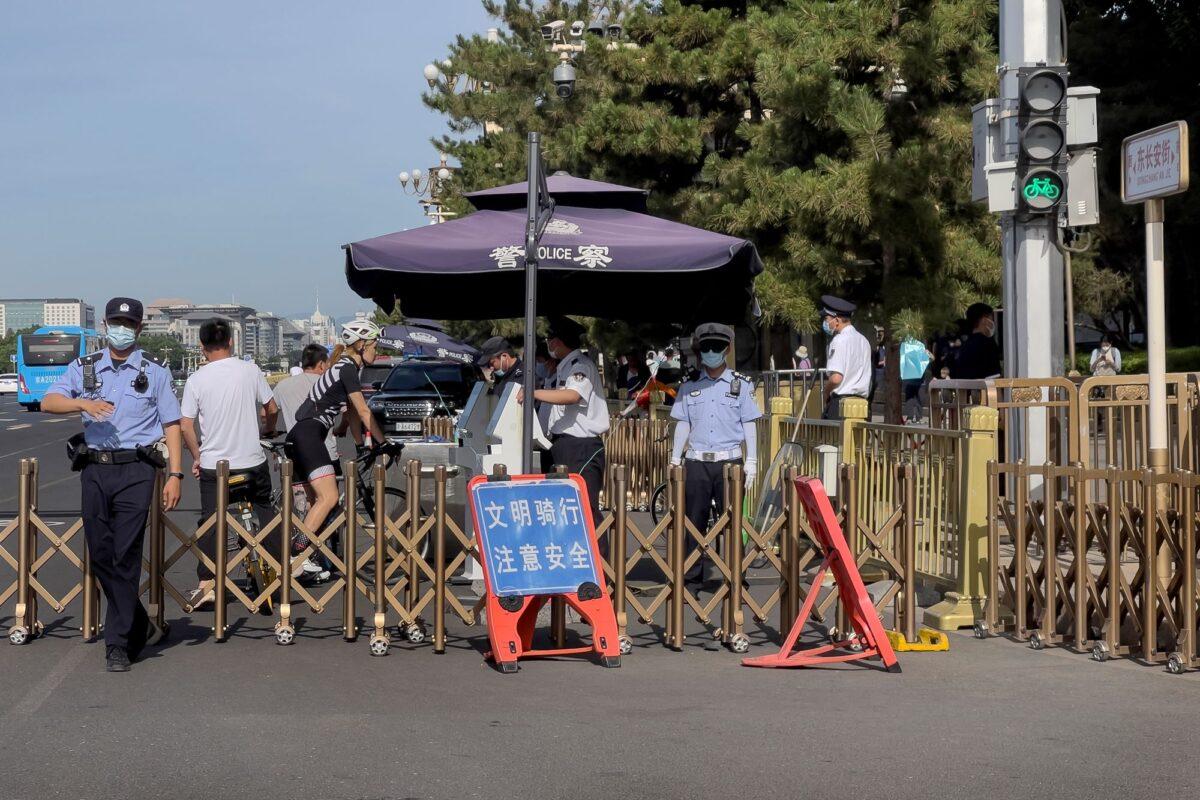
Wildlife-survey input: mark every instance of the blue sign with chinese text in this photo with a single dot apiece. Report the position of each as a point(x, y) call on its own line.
point(534, 535)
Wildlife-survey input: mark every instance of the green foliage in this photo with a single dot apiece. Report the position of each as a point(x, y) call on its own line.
point(381, 317)
point(164, 346)
point(1133, 362)
point(8, 348)
point(1142, 55)
point(836, 136)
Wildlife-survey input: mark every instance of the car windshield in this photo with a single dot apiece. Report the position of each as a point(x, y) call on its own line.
point(49, 349)
point(416, 377)
point(373, 373)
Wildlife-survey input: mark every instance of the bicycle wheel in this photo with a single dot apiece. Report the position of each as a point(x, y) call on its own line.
point(659, 503)
point(395, 504)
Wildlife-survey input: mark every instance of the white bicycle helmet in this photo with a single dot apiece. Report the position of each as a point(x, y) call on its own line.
point(360, 330)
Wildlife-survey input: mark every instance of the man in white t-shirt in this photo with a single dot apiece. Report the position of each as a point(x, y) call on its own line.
point(226, 406)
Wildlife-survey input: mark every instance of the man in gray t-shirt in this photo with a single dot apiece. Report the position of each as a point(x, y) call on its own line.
point(292, 391)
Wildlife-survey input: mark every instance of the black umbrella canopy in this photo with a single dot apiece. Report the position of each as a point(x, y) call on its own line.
point(567, 190)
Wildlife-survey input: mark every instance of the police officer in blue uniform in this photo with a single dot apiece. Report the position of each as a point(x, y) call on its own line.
point(125, 398)
point(716, 412)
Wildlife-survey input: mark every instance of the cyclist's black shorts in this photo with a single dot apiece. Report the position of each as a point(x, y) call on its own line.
point(305, 446)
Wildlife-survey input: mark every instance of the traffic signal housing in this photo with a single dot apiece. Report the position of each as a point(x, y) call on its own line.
point(1042, 139)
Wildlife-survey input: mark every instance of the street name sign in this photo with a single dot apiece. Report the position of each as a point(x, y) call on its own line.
point(1154, 163)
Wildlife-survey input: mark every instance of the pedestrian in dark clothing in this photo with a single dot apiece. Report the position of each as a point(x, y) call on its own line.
point(980, 355)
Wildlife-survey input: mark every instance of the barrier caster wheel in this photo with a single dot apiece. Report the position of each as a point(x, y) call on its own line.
point(1100, 652)
point(834, 634)
point(626, 645)
point(18, 634)
point(1175, 664)
point(1036, 642)
point(285, 635)
point(415, 633)
point(380, 645)
point(981, 629)
point(738, 643)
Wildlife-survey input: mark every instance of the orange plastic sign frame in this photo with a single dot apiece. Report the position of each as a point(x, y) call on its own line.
point(511, 620)
point(852, 593)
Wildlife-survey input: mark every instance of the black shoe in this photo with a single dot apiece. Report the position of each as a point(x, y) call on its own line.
point(116, 659)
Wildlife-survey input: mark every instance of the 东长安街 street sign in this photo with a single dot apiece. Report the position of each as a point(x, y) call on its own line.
point(1154, 163)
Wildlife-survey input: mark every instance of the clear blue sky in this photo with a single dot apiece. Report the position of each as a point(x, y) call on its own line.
point(211, 150)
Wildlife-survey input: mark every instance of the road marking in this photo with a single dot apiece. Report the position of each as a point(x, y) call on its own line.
point(59, 419)
point(32, 701)
point(18, 427)
point(50, 443)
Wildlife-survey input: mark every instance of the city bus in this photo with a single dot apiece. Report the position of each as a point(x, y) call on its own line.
point(43, 356)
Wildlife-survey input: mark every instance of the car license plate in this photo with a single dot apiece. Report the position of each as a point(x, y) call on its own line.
point(406, 427)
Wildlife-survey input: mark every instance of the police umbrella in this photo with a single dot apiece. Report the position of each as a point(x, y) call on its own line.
point(424, 340)
point(611, 263)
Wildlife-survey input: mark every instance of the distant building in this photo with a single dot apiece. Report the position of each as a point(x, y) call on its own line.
point(183, 321)
point(319, 328)
point(20, 313)
point(264, 336)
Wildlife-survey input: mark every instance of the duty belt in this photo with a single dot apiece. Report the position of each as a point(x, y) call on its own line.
point(714, 455)
point(113, 456)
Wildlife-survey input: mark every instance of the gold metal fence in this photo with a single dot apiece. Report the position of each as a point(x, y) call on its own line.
point(1089, 575)
point(398, 560)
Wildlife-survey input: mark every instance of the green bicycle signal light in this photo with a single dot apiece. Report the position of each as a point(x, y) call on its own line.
point(1042, 189)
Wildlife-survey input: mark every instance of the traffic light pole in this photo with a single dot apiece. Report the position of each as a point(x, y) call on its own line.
point(1031, 33)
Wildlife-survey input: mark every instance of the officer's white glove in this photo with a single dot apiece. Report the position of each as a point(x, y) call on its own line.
point(751, 470)
point(675, 462)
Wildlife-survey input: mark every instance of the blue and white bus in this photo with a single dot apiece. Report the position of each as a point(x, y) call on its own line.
point(43, 356)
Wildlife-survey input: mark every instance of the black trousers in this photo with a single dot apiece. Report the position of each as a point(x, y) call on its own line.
point(257, 489)
point(584, 456)
point(115, 501)
point(703, 484)
point(833, 406)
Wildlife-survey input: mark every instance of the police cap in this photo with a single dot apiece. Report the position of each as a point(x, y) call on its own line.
point(566, 329)
point(714, 331)
point(123, 308)
point(492, 348)
point(836, 307)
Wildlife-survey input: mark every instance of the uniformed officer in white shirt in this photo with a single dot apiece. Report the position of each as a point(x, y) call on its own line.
point(848, 360)
point(715, 412)
point(578, 413)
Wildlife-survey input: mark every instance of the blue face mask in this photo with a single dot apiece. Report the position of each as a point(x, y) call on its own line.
point(712, 360)
point(120, 337)
point(825, 326)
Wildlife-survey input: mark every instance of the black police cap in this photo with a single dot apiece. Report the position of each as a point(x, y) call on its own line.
point(836, 306)
point(492, 348)
point(123, 308)
point(565, 328)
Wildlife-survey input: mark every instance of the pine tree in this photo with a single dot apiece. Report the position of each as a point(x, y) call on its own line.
point(836, 136)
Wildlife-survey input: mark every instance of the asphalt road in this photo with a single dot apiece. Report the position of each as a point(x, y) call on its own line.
point(323, 719)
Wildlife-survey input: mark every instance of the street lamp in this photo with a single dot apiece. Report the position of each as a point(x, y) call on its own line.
point(429, 186)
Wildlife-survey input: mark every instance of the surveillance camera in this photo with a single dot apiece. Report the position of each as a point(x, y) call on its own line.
point(615, 31)
point(551, 30)
point(596, 27)
point(576, 29)
point(564, 79)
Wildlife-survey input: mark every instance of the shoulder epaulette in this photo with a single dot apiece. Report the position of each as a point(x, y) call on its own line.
point(745, 378)
point(91, 358)
point(156, 360)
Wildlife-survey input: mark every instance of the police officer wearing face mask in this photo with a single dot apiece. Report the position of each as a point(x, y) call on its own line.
point(578, 414)
point(125, 398)
point(501, 357)
point(716, 412)
point(848, 360)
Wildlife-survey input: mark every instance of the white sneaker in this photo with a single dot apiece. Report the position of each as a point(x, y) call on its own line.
point(308, 569)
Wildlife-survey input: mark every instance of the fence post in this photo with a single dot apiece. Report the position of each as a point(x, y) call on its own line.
point(221, 533)
point(678, 532)
point(617, 536)
point(855, 412)
point(286, 502)
point(25, 618)
point(439, 560)
point(349, 547)
point(963, 606)
point(908, 556)
point(734, 619)
point(155, 588)
point(779, 409)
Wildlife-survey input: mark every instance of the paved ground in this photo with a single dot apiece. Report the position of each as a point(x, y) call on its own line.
point(322, 719)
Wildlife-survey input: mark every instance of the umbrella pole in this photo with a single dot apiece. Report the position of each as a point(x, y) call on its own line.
point(531, 264)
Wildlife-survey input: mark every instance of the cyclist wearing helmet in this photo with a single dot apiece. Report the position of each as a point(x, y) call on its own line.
point(336, 391)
